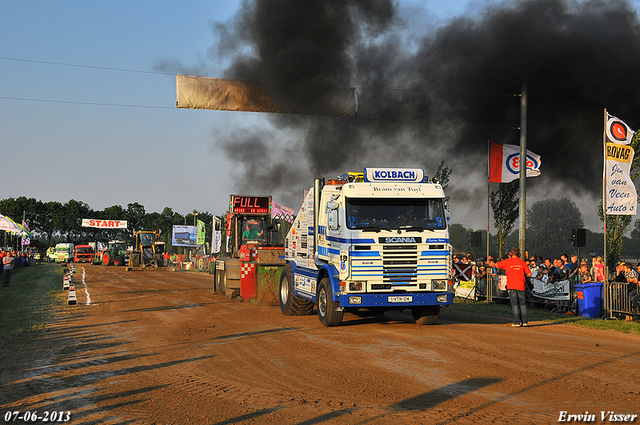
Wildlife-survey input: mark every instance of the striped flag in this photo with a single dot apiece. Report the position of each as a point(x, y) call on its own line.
point(282, 212)
point(504, 163)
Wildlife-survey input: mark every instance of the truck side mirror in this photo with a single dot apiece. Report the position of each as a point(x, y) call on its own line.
point(332, 215)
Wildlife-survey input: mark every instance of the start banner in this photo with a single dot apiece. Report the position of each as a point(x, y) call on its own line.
point(104, 224)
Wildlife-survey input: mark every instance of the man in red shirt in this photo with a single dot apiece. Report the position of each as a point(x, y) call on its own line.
point(516, 271)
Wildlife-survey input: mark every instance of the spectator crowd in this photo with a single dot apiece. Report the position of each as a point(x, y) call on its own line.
point(557, 270)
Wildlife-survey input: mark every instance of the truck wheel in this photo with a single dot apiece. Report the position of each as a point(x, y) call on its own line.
point(118, 261)
point(135, 259)
point(427, 315)
point(327, 312)
point(291, 304)
point(106, 258)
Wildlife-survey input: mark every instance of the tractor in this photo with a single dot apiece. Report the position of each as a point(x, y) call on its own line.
point(116, 254)
point(147, 252)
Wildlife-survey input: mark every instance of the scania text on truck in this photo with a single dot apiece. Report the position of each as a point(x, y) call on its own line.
point(377, 240)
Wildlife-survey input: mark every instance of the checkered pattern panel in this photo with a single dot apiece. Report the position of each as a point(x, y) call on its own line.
point(246, 269)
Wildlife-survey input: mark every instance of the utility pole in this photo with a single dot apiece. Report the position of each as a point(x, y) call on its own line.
point(523, 167)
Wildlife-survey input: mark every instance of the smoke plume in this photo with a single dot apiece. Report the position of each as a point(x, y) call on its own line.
point(429, 93)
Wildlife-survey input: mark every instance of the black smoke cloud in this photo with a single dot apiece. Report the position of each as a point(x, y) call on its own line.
point(430, 93)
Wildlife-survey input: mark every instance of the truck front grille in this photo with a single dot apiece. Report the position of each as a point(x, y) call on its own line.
point(400, 263)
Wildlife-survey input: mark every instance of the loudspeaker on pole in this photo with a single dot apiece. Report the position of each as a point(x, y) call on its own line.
point(579, 237)
point(476, 238)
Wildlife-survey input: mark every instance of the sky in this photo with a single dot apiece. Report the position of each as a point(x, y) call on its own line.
point(87, 110)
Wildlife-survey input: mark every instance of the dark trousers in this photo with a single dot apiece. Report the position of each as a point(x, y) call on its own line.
point(634, 297)
point(6, 277)
point(519, 305)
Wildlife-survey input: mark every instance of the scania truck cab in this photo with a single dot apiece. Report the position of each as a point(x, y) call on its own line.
point(377, 240)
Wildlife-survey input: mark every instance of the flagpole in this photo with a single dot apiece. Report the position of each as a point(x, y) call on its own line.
point(488, 193)
point(523, 166)
point(604, 193)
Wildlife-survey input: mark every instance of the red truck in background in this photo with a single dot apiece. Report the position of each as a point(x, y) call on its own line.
point(83, 254)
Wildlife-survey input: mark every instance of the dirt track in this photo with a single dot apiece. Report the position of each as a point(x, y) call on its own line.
point(159, 347)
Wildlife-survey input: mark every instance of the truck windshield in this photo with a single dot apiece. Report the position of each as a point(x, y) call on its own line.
point(83, 250)
point(395, 213)
point(252, 230)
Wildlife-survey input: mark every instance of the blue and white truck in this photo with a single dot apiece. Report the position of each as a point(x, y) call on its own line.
point(375, 240)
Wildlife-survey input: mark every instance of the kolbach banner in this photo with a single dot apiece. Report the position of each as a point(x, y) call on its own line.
point(621, 195)
point(104, 224)
point(184, 235)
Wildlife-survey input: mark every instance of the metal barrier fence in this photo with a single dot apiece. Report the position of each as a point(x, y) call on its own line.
point(489, 288)
point(617, 299)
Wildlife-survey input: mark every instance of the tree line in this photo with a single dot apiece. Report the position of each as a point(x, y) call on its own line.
point(549, 227)
point(53, 220)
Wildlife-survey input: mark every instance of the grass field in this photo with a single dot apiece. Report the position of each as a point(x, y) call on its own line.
point(540, 314)
point(28, 304)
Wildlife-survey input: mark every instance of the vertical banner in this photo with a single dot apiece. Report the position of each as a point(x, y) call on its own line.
point(621, 194)
point(200, 235)
point(216, 236)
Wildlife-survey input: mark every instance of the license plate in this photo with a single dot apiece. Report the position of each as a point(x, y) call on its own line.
point(401, 299)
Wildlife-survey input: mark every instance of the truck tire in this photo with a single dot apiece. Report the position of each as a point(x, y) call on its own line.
point(327, 308)
point(290, 303)
point(427, 315)
point(135, 259)
point(106, 258)
point(118, 261)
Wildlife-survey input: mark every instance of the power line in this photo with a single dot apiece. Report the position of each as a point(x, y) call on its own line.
point(85, 66)
point(86, 103)
point(107, 68)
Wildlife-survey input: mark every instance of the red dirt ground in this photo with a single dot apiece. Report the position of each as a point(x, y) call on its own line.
point(160, 348)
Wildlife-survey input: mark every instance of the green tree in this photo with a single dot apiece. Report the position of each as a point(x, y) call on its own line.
point(617, 226)
point(505, 204)
point(71, 221)
point(443, 173)
point(136, 217)
point(460, 238)
point(550, 223)
point(47, 224)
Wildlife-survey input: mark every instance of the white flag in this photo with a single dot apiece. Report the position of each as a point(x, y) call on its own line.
point(621, 195)
point(504, 163)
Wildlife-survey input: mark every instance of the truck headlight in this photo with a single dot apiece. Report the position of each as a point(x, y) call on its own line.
point(439, 285)
point(441, 298)
point(356, 286)
point(355, 300)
